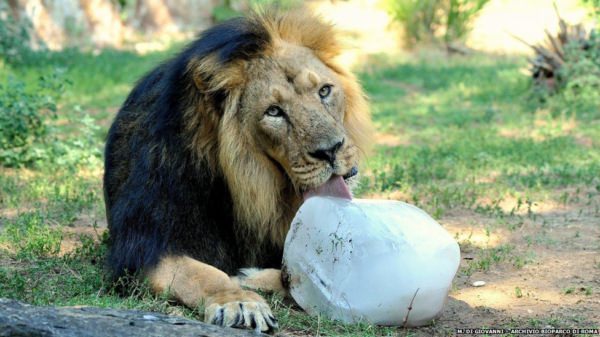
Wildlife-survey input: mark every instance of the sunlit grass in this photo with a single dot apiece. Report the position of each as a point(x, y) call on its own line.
point(458, 117)
point(98, 80)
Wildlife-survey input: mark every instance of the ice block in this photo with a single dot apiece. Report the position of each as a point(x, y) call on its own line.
point(369, 260)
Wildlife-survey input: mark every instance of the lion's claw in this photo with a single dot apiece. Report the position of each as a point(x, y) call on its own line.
point(244, 315)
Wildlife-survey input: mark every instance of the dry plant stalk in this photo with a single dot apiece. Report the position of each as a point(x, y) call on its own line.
point(550, 54)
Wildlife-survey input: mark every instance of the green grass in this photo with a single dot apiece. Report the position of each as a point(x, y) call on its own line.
point(99, 80)
point(470, 137)
point(464, 120)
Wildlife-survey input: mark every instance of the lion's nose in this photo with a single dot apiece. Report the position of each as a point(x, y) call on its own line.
point(328, 154)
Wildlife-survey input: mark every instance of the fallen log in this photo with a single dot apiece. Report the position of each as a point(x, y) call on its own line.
point(19, 319)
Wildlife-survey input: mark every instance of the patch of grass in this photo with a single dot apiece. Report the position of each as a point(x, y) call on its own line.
point(76, 278)
point(471, 135)
point(58, 196)
point(487, 258)
point(99, 79)
point(587, 291)
point(518, 292)
point(293, 319)
point(32, 259)
point(547, 321)
point(31, 237)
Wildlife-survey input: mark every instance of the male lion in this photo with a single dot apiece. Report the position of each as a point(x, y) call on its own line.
point(213, 151)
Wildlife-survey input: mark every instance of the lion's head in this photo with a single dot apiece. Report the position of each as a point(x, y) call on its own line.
point(287, 120)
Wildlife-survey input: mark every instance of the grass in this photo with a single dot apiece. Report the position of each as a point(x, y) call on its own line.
point(466, 136)
point(100, 79)
point(467, 122)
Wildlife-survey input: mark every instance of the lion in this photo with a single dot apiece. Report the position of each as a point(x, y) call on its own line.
point(213, 152)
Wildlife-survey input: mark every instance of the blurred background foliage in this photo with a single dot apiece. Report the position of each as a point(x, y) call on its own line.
point(15, 36)
point(593, 5)
point(566, 67)
point(430, 21)
point(578, 78)
point(230, 9)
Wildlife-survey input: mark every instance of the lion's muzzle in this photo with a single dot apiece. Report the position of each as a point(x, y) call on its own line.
point(328, 154)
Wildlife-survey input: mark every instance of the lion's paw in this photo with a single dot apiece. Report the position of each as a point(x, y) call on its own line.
point(244, 315)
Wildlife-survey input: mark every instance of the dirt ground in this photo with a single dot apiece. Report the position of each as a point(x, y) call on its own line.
point(561, 282)
point(559, 286)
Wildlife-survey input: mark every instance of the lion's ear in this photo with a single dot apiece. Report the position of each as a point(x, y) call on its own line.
point(210, 75)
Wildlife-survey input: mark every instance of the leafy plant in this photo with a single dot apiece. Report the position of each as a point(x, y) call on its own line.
point(460, 15)
point(23, 117)
point(284, 4)
point(594, 7)
point(419, 19)
point(32, 236)
point(14, 36)
point(581, 75)
point(434, 20)
point(226, 11)
point(566, 69)
point(80, 149)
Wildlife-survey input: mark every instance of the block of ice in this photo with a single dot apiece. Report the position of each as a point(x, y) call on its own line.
point(368, 260)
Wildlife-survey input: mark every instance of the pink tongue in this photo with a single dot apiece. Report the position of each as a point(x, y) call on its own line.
point(334, 187)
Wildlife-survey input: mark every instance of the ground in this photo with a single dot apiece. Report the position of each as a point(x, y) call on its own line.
point(515, 180)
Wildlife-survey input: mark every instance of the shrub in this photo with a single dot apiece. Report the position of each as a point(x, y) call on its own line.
point(579, 91)
point(285, 4)
point(419, 19)
point(24, 118)
point(226, 11)
point(566, 71)
point(80, 149)
point(14, 36)
point(593, 6)
point(430, 21)
point(459, 16)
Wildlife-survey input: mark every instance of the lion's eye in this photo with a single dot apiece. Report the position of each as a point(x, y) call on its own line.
point(274, 111)
point(325, 91)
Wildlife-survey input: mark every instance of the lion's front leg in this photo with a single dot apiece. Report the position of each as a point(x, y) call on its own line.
point(192, 283)
point(266, 280)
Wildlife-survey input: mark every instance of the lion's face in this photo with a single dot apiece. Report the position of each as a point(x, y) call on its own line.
point(292, 109)
point(277, 117)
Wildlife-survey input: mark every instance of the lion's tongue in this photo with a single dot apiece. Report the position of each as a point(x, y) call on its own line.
point(334, 187)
